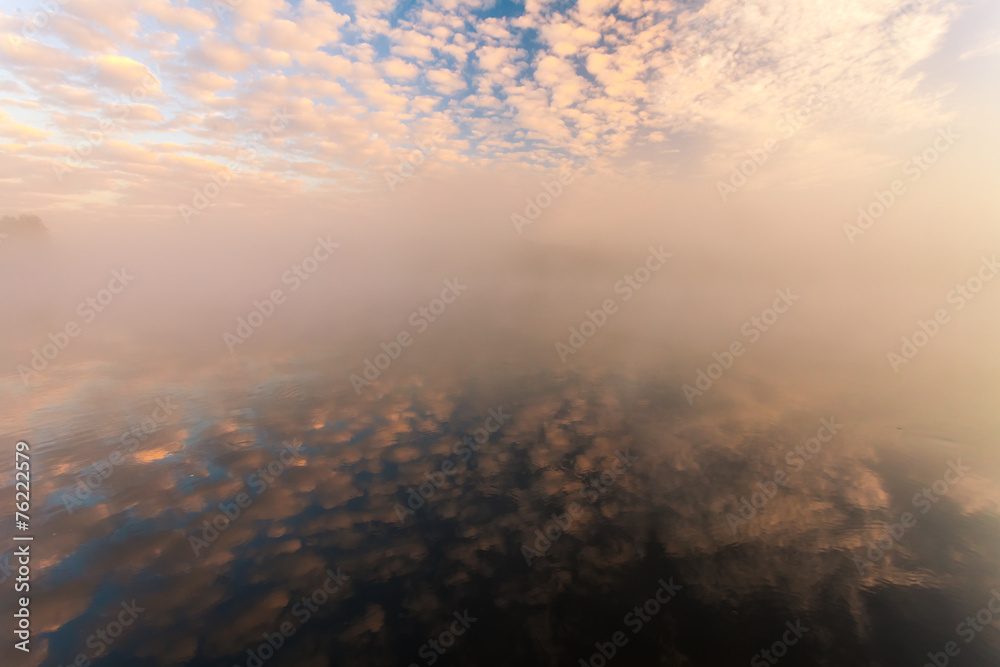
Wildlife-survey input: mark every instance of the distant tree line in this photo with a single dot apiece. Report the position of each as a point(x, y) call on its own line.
point(23, 226)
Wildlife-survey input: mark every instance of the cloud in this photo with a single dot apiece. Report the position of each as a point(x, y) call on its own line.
point(12, 129)
point(118, 17)
point(121, 73)
point(174, 16)
point(445, 81)
point(221, 55)
point(398, 68)
point(597, 76)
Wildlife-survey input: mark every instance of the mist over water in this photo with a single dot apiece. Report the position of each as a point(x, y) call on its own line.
point(700, 507)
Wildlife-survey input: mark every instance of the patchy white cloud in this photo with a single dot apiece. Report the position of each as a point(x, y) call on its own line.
point(123, 74)
point(445, 81)
point(221, 54)
point(176, 15)
point(603, 77)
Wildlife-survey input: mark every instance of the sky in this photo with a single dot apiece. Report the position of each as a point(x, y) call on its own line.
point(131, 106)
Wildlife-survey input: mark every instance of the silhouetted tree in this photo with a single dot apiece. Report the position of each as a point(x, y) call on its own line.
point(28, 227)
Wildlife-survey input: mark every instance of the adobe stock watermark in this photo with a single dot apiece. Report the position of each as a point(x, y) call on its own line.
point(791, 123)
point(796, 459)
point(599, 484)
point(104, 638)
point(967, 630)
point(409, 164)
point(206, 195)
point(95, 138)
point(963, 293)
point(295, 276)
point(418, 497)
point(435, 648)
point(302, 611)
point(779, 649)
point(549, 192)
point(561, 523)
point(752, 329)
point(627, 286)
point(87, 483)
point(258, 482)
point(915, 167)
point(635, 620)
point(88, 310)
point(923, 500)
point(420, 319)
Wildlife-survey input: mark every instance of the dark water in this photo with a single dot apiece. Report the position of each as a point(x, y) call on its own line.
point(647, 490)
